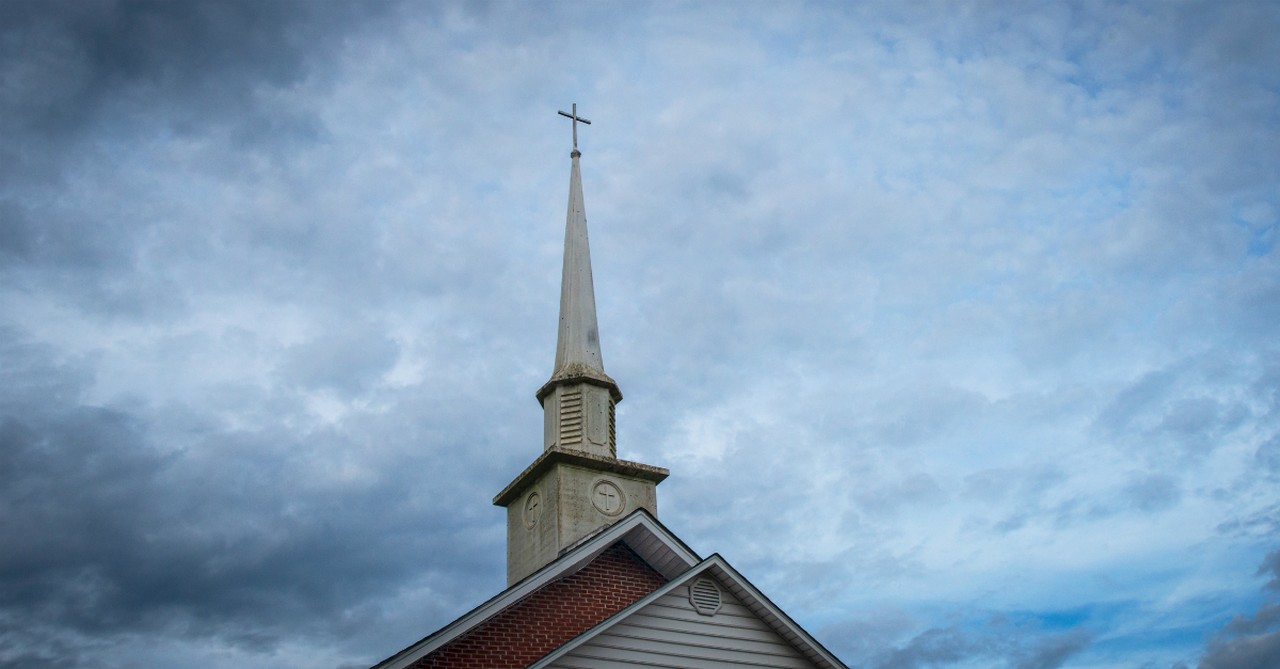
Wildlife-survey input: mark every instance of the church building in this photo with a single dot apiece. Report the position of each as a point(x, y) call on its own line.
point(593, 578)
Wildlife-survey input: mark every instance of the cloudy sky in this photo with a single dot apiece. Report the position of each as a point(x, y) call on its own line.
point(955, 323)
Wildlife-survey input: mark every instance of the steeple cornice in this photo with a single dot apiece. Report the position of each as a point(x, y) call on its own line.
point(580, 459)
point(578, 373)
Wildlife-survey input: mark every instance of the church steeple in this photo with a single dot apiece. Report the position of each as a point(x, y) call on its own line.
point(578, 485)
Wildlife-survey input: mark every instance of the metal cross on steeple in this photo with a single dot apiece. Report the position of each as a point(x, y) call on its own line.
point(575, 118)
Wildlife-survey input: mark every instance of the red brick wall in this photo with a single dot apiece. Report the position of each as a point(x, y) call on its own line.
point(558, 612)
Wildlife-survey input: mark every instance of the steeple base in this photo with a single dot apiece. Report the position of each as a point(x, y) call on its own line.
point(565, 496)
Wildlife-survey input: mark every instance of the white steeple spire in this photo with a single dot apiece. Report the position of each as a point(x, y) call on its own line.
point(578, 341)
point(578, 338)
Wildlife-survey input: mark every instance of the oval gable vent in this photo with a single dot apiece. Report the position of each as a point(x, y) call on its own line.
point(704, 595)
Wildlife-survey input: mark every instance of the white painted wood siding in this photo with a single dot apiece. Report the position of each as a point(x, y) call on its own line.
point(669, 633)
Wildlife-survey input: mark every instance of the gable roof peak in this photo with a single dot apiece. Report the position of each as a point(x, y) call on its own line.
point(738, 587)
point(646, 537)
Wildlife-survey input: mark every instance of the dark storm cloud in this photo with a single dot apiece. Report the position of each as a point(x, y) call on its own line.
point(1241, 650)
point(1250, 642)
point(66, 62)
point(1262, 620)
point(86, 81)
point(1271, 568)
point(105, 530)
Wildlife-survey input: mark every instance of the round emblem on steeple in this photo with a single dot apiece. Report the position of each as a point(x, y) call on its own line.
point(532, 509)
point(607, 497)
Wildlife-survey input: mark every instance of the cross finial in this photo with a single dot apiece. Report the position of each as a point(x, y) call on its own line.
point(575, 118)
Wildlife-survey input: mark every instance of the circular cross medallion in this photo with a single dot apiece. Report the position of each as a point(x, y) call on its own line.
point(532, 509)
point(606, 496)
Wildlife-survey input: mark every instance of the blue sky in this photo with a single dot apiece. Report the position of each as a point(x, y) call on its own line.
point(954, 322)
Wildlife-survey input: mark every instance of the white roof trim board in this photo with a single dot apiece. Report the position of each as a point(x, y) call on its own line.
point(642, 533)
point(741, 588)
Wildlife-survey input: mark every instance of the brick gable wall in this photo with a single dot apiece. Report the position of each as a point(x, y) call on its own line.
point(554, 614)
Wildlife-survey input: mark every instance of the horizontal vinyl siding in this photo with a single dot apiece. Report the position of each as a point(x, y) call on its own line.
point(669, 633)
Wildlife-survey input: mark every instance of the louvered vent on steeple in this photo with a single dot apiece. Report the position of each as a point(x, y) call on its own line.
point(571, 418)
point(613, 434)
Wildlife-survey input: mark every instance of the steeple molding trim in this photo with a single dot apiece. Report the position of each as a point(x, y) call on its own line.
point(579, 373)
point(557, 456)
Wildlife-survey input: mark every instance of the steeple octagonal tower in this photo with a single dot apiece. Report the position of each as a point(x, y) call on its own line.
point(578, 485)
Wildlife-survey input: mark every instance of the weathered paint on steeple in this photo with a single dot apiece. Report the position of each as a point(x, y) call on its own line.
point(578, 340)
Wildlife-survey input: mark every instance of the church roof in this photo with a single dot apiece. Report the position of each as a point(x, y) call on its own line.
point(662, 552)
point(640, 532)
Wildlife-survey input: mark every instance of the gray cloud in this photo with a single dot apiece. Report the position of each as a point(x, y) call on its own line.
point(69, 62)
point(999, 639)
point(1192, 406)
point(349, 360)
point(1265, 618)
point(1243, 652)
point(1268, 455)
point(1153, 493)
point(88, 82)
point(1055, 650)
point(933, 647)
point(1271, 567)
point(107, 531)
point(917, 489)
point(1249, 642)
